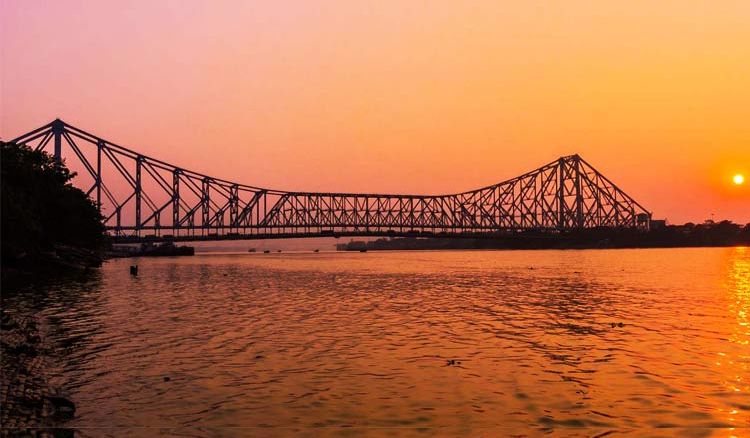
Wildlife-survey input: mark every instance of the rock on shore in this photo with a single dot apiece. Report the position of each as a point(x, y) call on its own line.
point(27, 398)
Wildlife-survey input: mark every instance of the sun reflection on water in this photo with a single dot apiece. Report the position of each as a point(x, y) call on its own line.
point(612, 340)
point(739, 305)
point(739, 286)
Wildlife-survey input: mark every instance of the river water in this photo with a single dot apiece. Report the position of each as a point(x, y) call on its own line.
point(576, 342)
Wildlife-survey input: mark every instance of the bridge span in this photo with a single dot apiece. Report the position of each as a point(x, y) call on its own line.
point(142, 198)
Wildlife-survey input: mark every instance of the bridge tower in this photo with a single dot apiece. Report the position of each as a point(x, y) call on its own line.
point(58, 129)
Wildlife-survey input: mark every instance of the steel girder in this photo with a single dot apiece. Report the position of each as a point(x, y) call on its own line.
point(155, 198)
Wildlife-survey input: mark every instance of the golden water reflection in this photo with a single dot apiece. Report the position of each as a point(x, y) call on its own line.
point(738, 359)
point(607, 341)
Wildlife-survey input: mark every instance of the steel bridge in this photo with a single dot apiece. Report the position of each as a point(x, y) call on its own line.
point(143, 198)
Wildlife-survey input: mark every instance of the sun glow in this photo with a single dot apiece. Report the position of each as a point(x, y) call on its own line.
point(738, 179)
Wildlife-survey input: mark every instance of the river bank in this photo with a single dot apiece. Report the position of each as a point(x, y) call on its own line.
point(64, 260)
point(720, 234)
point(58, 260)
point(29, 402)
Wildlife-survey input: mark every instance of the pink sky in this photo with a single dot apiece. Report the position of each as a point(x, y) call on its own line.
point(400, 97)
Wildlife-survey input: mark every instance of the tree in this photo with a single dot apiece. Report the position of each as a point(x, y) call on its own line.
point(41, 210)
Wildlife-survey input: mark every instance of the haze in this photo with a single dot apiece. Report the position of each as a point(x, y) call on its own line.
point(400, 97)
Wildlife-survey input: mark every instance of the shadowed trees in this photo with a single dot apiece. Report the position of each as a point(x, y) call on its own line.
point(42, 213)
point(709, 233)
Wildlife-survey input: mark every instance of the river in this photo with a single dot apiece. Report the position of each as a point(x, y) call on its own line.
point(456, 343)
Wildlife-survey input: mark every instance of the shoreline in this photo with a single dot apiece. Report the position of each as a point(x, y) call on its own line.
point(708, 235)
point(59, 260)
point(359, 246)
point(29, 401)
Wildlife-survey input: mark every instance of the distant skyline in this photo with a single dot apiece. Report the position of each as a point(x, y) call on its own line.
point(400, 97)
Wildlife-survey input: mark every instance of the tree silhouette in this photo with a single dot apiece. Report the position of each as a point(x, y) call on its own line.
point(41, 210)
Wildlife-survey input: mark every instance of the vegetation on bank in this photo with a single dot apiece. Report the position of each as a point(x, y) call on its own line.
point(709, 233)
point(46, 221)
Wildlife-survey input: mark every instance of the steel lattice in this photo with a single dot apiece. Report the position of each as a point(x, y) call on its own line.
point(165, 201)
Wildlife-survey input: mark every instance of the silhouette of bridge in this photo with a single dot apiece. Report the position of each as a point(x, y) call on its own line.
point(143, 198)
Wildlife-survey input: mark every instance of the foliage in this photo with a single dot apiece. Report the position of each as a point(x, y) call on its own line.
point(40, 207)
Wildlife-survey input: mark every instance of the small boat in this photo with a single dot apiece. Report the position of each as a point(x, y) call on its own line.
point(316, 250)
point(266, 251)
point(251, 250)
point(363, 250)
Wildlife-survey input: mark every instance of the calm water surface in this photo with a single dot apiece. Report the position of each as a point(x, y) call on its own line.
point(353, 343)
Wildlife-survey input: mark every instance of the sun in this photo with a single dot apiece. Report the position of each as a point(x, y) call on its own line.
point(738, 179)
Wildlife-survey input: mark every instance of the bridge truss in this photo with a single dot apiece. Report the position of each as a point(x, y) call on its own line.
point(144, 198)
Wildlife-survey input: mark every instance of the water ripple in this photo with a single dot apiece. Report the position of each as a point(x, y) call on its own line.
point(459, 341)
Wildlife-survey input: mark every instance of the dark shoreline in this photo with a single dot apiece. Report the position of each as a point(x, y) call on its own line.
point(63, 261)
point(359, 246)
point(29, 402)
point(60, 261)
point(723, 234)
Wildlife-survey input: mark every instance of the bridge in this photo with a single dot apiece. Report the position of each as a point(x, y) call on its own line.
point(143, 198)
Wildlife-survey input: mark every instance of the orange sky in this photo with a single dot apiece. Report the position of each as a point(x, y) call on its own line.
point(394, 96)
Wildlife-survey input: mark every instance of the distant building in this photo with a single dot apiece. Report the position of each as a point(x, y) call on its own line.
point(658, 224)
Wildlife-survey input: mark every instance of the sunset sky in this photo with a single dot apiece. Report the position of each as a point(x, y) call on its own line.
point(400, 96)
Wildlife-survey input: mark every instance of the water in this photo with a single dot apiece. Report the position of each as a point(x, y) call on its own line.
point(353, 343)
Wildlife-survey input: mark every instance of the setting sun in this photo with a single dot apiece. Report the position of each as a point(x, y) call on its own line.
point(738, 179)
